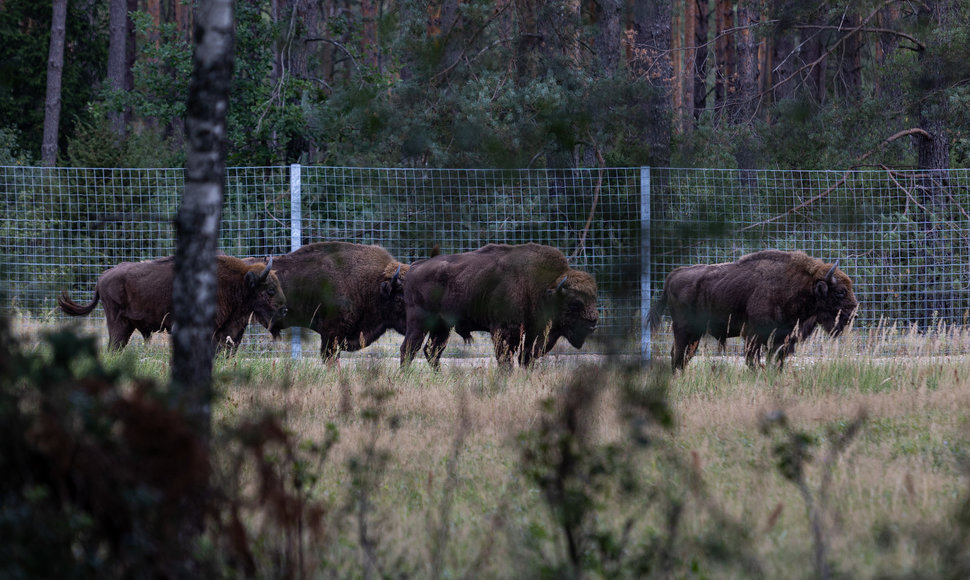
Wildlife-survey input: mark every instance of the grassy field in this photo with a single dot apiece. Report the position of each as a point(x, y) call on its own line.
point(841, 465)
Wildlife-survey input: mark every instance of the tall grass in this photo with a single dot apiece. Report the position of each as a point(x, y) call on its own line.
point(454, 473)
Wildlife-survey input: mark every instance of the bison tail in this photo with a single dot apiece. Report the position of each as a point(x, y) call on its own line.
point(73, 308)
point(656, 311)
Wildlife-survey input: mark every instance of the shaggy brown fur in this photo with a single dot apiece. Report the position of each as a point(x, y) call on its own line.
point(769, 298)
point(138, 296)
point(526, 296)
point(349, 293)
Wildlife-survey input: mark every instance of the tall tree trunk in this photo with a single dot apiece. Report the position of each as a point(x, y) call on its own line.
point(446, 26)
point(528, 41)
point(702, 14)
point(606, 16)
point(814, 47)
point(118, 59)
point(682, 51)
point(747, 102)
point(850, 65)
point(725, 56)
point(933, 158)
point(368, 37)
point(782, 67)
point(651, 30)
point(933, 152)
point(55, 68)
point(197, 223)
point(886, 45)
point(131, 48)
point(678, 78)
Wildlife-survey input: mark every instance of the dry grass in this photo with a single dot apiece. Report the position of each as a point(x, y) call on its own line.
point(901, 477)
point(902, 474)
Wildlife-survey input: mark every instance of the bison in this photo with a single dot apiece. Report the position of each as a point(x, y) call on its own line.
point(348, 293)
point(770, 298)
point(526, 296)
point(138, 296)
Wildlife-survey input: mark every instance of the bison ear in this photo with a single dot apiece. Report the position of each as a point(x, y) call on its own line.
point(831, 275)
point(252, 279)
point(389, 286)
point(821, 288)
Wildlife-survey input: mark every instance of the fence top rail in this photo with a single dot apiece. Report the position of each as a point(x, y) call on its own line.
point(511, 169)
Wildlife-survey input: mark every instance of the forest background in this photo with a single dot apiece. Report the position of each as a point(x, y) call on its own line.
point(499, 83)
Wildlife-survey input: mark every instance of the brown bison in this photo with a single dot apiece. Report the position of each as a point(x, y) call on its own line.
point(349, 293)
point(138, 296)
point(526, 296)
point(771, 298)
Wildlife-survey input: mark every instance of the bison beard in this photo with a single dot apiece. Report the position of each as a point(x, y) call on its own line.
point(770, 298)
point(138, 296)
point(525, 296)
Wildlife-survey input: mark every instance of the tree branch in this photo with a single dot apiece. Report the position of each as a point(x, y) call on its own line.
point(919, 45)
point(832, 49)
point(903, 133)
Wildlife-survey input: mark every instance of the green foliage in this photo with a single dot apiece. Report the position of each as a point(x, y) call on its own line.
point(439, 107)
point(25, 29)
point(805, 136)
point(96, 145)
point(161, 72)
point(959, 107)
point(579, 477)
point(794, 450)
point(10, 150)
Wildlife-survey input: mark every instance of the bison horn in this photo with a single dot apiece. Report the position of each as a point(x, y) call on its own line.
point(265, 272)
point(828, 277)
point(396, 273)
point(561, 283)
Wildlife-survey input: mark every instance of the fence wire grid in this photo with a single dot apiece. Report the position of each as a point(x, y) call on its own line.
point(903, 236)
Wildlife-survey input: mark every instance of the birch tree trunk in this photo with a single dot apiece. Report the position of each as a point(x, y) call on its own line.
point(197, 223)
point(55, 68)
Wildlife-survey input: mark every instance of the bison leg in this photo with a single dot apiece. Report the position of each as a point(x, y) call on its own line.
point(329, 348)
point(119, 332)
point(685, 345)
point(437, 339)
point(783, 351)
point(752, 351)
point(412, 342)
point(506, 341)
point(532, 348)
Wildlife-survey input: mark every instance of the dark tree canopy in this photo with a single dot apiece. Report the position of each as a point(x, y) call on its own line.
point(515, 83)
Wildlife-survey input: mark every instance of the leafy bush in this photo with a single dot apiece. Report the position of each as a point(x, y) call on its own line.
point(100, 475)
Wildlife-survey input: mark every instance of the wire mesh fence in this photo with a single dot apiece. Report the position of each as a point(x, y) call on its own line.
point(903, 236)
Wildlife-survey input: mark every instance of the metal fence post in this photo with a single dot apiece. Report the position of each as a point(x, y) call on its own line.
point(644, 263)
point(296, 240)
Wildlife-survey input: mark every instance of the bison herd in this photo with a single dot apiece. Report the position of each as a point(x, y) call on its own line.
point(525, 296)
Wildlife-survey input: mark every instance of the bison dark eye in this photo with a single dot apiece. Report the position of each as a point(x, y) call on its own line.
point(271, 291)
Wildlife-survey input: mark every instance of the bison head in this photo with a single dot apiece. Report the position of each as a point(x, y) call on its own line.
point(393, 309)
point(269, 304)
point(836, 304)
point(574, 296)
